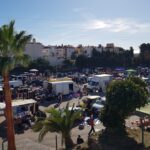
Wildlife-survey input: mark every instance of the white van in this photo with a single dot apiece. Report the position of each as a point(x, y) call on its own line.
point(99, 81)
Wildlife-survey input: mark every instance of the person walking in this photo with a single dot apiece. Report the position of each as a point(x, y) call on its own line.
point(59, 98)
point(92, 125)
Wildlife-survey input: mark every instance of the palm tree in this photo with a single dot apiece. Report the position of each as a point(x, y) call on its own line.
point(11, 54)
point(61, 121)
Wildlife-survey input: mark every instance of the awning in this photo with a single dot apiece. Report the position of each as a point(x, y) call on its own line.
point(19, 102)
point(145, 109)
point(23, 102)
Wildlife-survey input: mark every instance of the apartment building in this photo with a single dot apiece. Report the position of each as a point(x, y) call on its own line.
point(34, 49)
point(54, 54)
point(57, 54)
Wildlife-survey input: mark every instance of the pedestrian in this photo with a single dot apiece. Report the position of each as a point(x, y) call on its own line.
point(79, 140)
point(92, 125)
point(59, 98)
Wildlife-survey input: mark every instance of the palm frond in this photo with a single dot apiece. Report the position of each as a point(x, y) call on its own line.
point(57, 121)
point(12, 47)
point(37, 126)
point(43, 132)
point(22, 60)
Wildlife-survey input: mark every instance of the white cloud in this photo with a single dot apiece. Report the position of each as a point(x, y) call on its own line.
point(96, 24)
point(118, 25)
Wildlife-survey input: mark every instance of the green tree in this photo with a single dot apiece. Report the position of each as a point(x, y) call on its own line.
point(68, 63)
point(145, 53)
point(82, 61)
point(40, 64)
point(74, 55)
point(61, 121)
point(139, 82)
point(122, 98)
point(12, 46)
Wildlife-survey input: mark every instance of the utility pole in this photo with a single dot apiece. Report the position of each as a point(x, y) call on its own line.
point(142, 129)
point(56, 141)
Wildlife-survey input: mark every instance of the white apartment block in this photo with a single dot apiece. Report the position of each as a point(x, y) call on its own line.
point(34, 50)
point(54, 54)
point(112, 48)
point(87, 50)
point(69, 50)
point(57, 54)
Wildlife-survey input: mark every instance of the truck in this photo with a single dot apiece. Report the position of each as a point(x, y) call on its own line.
point(99, 82)
point(64, 87)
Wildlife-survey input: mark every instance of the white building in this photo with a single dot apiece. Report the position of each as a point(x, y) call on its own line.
point(34, 50)
point(57, 54)
point(54, 54)
point(69, 50)
point(112, 48)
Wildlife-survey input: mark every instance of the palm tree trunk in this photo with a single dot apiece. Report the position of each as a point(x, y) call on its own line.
point(9, 114)
point(68, 143)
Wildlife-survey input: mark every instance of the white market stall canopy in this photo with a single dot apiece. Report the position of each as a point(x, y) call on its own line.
point(19, 102)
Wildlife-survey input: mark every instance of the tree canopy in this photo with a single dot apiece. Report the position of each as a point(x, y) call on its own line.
point(106, 59)
point(12, 47)
point(122, 98)
point(40, 64)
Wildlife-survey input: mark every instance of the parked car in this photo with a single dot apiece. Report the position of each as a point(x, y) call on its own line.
point(99, 103)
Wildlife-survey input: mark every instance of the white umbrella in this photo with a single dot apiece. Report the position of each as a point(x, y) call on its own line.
point(33, 70)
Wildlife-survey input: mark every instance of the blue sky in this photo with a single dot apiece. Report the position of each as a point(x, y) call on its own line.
point(89, 22)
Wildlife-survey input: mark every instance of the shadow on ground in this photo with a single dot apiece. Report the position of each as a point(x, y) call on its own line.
point(111, 141)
